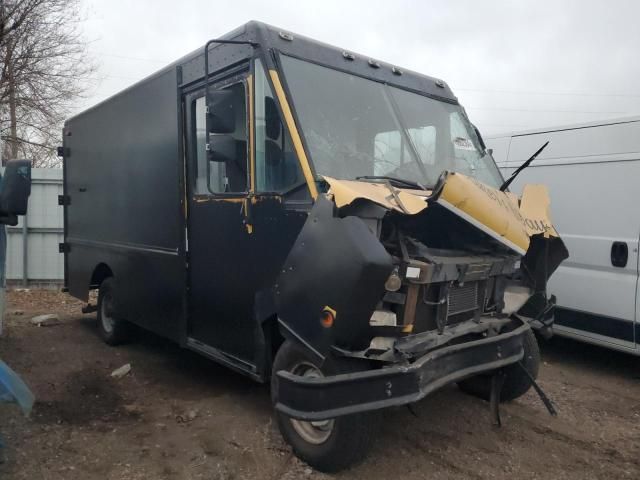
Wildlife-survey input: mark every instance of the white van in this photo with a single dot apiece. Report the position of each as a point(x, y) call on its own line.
point(592, 171)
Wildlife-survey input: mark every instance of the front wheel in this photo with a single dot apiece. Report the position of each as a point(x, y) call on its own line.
point(327, 445)
point(516, 382)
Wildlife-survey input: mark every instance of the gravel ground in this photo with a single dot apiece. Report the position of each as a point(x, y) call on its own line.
point(180, 416)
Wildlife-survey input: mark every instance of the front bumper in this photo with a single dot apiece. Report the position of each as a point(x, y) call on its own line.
point(314, 399)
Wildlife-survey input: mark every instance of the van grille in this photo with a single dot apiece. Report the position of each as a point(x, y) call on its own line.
point(462, 298)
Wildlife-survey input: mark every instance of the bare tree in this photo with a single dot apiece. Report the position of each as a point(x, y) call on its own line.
point(44, 70)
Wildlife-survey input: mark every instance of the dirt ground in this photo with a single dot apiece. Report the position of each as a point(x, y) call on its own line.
point(180, 416)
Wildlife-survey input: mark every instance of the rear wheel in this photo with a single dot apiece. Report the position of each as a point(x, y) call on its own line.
point(327, 445)
point(516, 382)
point(112, 330)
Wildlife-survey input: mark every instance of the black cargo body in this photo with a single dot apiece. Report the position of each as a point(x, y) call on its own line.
point(122, 183)
point(178, 256)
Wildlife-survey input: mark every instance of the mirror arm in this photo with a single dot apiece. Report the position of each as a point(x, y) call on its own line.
point(207, 73)
point(206, 57)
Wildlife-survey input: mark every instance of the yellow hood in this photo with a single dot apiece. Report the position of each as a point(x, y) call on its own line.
point(499, 214)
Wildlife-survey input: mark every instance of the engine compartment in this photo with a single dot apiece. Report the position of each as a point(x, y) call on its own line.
point(444, 272)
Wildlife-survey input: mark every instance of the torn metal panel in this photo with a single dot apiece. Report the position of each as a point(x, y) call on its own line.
point(525, 226)
point(542, 259)
point(498, 214)
point(490, 210)
point(346, 191)
point(336, 263)
point(534, 207)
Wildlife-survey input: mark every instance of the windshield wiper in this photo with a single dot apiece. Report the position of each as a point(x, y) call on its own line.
point(513, 176)
point(399, 182)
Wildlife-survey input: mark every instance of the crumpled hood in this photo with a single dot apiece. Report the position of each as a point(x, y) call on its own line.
point(501, 215)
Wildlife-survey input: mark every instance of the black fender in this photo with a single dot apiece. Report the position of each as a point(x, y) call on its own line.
point(337, 264)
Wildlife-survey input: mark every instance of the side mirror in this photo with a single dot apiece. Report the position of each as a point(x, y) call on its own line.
point(222, 148)
point(490, 151)
point(15, 189)
point(221, 117)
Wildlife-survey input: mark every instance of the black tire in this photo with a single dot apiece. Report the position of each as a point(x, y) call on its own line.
point(350, 437)
point(516, 383)
point(113, 331)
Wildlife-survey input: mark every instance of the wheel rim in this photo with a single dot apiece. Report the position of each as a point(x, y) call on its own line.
point(317, 432)
point(105, 314)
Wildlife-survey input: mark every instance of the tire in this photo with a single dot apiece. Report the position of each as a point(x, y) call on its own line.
point(113, 331)
point(516, 383)
point(332, 445)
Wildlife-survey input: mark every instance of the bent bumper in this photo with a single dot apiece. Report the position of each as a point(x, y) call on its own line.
point(313, 399)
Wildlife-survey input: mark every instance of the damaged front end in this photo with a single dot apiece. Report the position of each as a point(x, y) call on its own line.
point(431, 287)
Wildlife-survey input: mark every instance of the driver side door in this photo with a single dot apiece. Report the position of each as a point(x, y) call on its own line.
point(220, 296)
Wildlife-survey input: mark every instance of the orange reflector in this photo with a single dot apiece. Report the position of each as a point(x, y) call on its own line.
point(327, 317)
point(407, 328)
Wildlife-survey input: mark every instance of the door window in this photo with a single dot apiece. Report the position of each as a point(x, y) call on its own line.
point(277, 166)
point(213, 177)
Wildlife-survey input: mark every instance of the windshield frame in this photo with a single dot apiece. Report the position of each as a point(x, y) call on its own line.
point(389, 98)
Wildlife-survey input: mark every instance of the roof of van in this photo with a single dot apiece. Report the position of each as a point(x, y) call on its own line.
point(318, 52)
point(573, 126)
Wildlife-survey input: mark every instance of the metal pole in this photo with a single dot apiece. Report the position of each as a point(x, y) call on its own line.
point(25, 256)
point(3, 237)
point(3, 250)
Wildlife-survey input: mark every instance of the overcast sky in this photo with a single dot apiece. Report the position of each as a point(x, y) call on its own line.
point(513, 64)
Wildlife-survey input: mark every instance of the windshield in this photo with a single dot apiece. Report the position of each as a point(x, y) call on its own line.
point(356, 127)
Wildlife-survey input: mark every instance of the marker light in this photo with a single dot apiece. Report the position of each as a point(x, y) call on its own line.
point(327, 317)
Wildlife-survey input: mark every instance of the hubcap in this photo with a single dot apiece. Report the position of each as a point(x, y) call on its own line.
point(317, 432)
point(105, 314)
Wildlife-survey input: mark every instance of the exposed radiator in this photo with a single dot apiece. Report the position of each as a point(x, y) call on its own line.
point(463, 298)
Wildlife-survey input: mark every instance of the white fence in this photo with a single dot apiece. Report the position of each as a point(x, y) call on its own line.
point(32, 246)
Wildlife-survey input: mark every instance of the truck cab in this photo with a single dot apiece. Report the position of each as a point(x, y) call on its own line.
point(314, 218)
